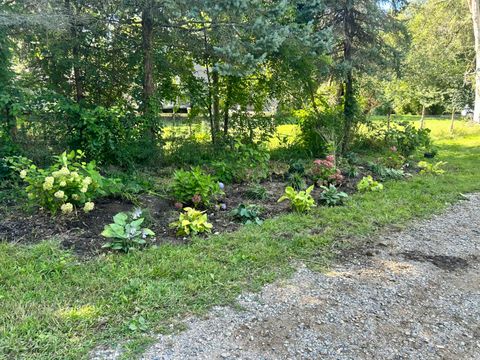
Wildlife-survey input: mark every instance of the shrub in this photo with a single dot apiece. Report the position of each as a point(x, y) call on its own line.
point(393, 159)
point(247, 214)
point(324, 171)
point(300, 201)
point(194, 187)
point(192, 222)
point(67, 185)
point(246, 163)
point(368, 184)
point(332, 197)
point(407, 138)
point(256, 192)
point(126, 231)
point(434, 169)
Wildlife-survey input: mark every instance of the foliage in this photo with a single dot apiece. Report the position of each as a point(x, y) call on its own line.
point(300, 201)
point(245, 163)
point(257, 192)
point(385, 173)
point(392, 159)
point(194, 187)
point(247, 214)
point(331, 196)
point(297, 181)
point(278, 168)
point(433, 169)
point(408, 138)
point(324, 171)
point(126, 231)
point(68, 184)
point(368, 184)
point(192, 222)
point(297, 167)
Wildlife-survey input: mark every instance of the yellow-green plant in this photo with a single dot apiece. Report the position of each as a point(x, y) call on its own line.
point(300, 201)
point(67, 185)
point(368, 184)
point(192, 222)
point(434, 169)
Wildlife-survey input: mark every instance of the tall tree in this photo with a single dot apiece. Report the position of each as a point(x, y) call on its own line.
point(475, 11)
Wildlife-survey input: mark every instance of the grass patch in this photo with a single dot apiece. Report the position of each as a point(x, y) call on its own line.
point(55, 306)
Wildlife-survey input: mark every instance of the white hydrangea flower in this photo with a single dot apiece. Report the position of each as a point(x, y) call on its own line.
point(63, 183)
point(23, 174)
point(87, 181)
point(59, 194)
point(88, 206)
point(67, 208)
point(84, 189)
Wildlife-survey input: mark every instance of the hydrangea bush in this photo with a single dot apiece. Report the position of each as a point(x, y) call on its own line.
point(68, 185)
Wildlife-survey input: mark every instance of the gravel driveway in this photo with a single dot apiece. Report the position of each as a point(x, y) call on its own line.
point(414, 295)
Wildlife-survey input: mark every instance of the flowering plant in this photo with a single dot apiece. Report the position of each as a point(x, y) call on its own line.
point(67, 185)
point(325, 172)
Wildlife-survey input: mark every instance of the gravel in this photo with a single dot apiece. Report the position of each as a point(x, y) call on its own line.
point(415, 294)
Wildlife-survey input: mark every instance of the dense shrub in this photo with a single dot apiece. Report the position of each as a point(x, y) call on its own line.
point(70, 183)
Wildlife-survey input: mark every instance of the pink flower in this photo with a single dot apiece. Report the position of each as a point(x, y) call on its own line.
point(196, 199)
point(393, 148)
point(330, 158)
point(178, 205)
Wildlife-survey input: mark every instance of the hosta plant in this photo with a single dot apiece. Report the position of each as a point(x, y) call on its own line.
point(368, 184)
point(300, 201)
point(69, 184)
point(331, 196)
point(126, 232)
point(192, 222)
point(247, 214)
point(434, 169)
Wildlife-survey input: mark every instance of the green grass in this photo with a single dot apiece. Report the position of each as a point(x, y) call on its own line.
point(55, 306)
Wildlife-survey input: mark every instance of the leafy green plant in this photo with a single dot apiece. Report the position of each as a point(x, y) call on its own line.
point(332, 197)
point(297, 167)
point(68, 184)
point(192, 222)
point(407, 138)
point(434, 169)
point(247, 214)
point(368, 184)
point(300, 201)
point(385, 173)
point(297, 181)
point(256, 192)
point(126, 231)
point(393, 159)
point(194, 187)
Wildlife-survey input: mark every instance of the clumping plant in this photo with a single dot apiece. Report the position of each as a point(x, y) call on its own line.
point(434, 169)
point(296, 181)
point(331, 196)
point(247, 214)
point(386, 173)
point(368, 184)
point(69, 184)
point(194, 187)
point(324, 171)
point(192, 222)
point(300, 201)
point(256, 192)
point(126, 232)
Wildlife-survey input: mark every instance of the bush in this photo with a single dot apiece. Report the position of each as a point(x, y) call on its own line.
point(247, 214)
point(393, 159)
point(246, 163)
point(332, 197)
point(407, 139)
point(67, 185)
point(300, 201)
point(192, 222)
point(368, 184)
point(194, 187)
point(126, 231)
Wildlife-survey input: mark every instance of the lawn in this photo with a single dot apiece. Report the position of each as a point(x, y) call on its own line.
point(58, 306)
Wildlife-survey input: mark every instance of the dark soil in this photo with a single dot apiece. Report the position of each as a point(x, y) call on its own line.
point(81, 232)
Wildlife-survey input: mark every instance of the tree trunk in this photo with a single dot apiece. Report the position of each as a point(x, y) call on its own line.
point(475, 10)
point(147, 47)
point(226, 108)
point(77, 75)
point(349, 95)
point(453, 119)
point(422, 120)
point(216, 101)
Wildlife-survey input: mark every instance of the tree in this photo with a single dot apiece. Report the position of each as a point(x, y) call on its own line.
point(475, 11)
